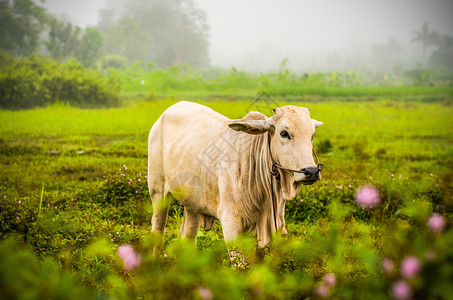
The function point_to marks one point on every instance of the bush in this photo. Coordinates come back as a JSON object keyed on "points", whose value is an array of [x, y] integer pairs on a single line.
{"points": [[37, 81], [114, 62]]}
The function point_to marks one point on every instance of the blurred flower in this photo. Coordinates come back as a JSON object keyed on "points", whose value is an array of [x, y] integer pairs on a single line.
{"points": [[19, 202], [387, 265], [323, 291], [330, 279], [401, 290], [367, 197], [131, 259], [436, 223], [430, 255], [410, 267], [204, 293]]}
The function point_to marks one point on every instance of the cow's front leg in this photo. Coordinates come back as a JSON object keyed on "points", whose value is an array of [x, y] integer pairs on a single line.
{"points": [[231, 226], [232, 229]]}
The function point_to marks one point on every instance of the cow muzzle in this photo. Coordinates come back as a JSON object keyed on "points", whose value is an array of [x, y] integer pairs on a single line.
{"points": [[311, 175]]}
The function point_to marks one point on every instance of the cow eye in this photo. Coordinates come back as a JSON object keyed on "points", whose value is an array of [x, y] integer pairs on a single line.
{"points": [[285, 134]]}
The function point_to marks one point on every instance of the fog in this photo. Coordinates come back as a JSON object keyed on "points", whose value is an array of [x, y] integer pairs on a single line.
{"points": [[256, 35]]}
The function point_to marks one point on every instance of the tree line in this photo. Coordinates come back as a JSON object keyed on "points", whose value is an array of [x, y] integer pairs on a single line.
{"points": [[163, 32], [442, 57]]}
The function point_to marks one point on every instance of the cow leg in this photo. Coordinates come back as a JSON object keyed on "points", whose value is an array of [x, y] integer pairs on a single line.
{"points": [[190, 225], [232, 228], [159, 220]]}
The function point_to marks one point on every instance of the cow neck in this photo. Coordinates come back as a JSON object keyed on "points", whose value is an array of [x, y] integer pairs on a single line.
{"points": [[263, 171], [275, 182]]}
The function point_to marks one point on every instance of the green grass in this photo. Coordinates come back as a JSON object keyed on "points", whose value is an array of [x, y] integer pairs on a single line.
{"points": [[63, 165]]}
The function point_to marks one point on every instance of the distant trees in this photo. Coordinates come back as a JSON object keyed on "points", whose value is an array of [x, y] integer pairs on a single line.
{"points": [[63, 39], [426, 37], [90, 47], [166, 32], [127, 38], [21, 23], [443, 57]]}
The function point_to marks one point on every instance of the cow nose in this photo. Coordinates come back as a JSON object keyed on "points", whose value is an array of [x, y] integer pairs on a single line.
{"points": [[311, 173]]}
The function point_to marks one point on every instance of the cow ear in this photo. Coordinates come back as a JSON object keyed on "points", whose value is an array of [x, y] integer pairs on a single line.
{"points": [[317, 123], [251, 126]]}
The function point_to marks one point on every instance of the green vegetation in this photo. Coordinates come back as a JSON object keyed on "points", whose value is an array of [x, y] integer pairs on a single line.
{"points": [[36, 81], [73, 188]]}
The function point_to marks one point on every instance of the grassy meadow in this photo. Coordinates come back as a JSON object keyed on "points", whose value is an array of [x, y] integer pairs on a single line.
{"points": [[73, 189]]}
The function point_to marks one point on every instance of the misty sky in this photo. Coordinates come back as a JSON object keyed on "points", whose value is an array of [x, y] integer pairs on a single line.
{"points": [[258, 34]]}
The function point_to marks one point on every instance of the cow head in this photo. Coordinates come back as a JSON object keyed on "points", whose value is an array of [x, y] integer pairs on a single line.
{"points": [[292, 131]]}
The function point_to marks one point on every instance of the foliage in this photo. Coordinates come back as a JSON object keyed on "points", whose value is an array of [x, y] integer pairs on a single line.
{"points": [[145, 80], [165, 32], [23, 275], [113, 62], [36, 81], [127, 39], [63, 40], [89, 50], [21, 23], [426, 37], [443, 57]]}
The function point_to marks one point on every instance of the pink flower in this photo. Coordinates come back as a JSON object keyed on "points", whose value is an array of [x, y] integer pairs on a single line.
{"points": [[387, 265], [410, 267], [367, 197], [436, 223], [330, 279], [131, 259], [323, 291], [401, 290], [204, 293], [19, 202]]}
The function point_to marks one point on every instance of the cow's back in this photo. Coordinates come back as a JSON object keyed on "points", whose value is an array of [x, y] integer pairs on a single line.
{"points": [[184, 133]]}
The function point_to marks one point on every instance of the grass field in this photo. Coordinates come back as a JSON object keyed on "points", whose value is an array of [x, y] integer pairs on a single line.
{"points": [[73, 188]]}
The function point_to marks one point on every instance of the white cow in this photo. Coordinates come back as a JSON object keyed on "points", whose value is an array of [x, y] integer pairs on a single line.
{"points": [[219, 168]]}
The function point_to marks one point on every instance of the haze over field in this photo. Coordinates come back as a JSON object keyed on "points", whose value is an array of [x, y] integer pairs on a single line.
{"points": [[312, 35]]}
